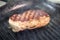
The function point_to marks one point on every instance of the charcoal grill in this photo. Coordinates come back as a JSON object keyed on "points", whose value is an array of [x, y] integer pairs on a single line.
{"points": [[49, 32]]}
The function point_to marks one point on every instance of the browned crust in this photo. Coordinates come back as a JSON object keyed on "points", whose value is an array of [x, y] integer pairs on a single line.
{"points": [[29, 20]]}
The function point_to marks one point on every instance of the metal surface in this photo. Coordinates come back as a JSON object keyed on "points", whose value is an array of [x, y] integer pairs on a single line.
{"points": [[49, 32], [2, 3], [55, 1]]}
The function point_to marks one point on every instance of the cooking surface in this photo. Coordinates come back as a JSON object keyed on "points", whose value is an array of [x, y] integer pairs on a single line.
{"points": [[50, 32]]}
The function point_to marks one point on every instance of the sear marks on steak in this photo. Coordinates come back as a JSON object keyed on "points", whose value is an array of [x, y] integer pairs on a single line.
{"points": [[30, 19]]}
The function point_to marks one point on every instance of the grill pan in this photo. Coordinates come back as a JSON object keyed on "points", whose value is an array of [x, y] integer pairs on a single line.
{"points": [[49, 32]]}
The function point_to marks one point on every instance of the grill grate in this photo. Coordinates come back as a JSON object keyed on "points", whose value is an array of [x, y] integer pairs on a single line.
{"points": [[50, 32]]}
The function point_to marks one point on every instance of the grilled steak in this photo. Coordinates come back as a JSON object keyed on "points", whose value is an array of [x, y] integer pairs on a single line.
{"points": [[30, 19]]}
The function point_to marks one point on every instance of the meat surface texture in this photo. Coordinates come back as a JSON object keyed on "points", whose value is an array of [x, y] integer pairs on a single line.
{"points": [[30, 19]]}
